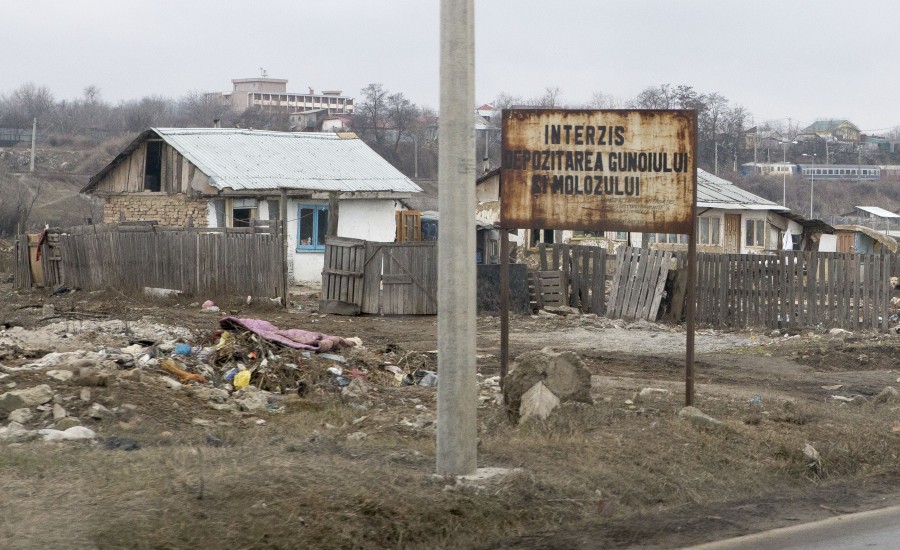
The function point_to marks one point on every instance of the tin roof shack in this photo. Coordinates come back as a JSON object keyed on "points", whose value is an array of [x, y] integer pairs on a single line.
{"points": [[858, 239], [229, 177]]}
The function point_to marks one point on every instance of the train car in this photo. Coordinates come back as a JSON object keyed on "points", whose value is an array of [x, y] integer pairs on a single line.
{"points": [[769, 168], [841, 172]]}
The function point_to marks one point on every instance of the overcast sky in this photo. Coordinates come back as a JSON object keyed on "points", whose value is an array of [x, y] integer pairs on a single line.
{"points": [[778, 58]]}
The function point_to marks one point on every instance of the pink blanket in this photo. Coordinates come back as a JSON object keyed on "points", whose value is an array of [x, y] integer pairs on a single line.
{"points": [[292, 337]]}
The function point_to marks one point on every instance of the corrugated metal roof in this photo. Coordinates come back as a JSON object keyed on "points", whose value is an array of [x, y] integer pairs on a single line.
{"points": [[256, 159], [826, 125], [878, 211], [715, 192]]}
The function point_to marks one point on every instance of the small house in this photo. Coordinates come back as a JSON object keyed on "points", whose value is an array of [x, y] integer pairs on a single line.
{"points": [[858, 239], [215, 177], [729, 220]]}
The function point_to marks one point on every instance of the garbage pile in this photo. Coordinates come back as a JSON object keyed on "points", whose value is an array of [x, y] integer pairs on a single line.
{"points": [[245, 366], [254, 354]]}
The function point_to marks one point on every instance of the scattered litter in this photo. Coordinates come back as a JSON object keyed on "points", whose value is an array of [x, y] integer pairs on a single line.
{"points": [[120, 444], [421, 378], [241, 379], [172, 367], [294, 338], [182, 349]]}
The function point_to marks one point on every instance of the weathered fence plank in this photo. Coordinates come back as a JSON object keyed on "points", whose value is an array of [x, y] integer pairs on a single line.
{"points": [[197, 262]]}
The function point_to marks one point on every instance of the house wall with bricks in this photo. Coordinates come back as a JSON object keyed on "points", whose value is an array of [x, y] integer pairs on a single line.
{"points": [[166, 209]]}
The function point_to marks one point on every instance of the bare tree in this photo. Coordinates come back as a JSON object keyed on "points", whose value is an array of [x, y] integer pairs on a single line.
{"points": [[602, 100], [370, 118], [147, 112], [197, 108]]}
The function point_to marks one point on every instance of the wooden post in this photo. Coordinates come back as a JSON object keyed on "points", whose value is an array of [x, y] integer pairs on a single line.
{"points": [[333, 213], [504, 305], [285, 250], [691, 290]]}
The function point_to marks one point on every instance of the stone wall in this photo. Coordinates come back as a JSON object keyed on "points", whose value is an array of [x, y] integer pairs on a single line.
{"points": [[165, 209]]}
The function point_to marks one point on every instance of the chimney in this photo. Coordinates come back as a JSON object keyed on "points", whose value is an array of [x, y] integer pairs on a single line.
{"points": [[312, 92], [217, 123]]}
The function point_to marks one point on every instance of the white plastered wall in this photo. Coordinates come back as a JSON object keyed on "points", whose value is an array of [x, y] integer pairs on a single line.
{"points": [[369, 219]]}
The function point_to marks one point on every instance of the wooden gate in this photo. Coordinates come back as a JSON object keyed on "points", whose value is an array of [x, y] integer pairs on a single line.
{"points": [[372, 277], [342, 276], [400, 278]]}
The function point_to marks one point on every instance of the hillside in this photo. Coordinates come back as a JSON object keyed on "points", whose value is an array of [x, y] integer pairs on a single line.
{"points": [[61, 171], [831, 198]]}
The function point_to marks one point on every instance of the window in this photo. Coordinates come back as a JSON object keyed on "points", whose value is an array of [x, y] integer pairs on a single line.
{"points": [[241, 212], [153, 167], [274, 209], [755, 235], [621, 235], [709, 230], [312, 226]]}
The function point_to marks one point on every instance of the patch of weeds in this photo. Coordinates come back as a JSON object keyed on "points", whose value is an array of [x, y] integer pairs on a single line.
{"points": [[792, 413]]}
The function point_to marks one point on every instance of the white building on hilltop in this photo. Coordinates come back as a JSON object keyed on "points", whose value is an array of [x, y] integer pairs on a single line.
{"points": [[271, 94]]}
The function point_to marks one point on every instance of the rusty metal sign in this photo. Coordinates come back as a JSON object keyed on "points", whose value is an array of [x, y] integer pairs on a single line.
{"points": [[589, 170]]}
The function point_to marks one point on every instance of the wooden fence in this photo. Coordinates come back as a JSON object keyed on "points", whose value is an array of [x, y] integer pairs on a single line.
{"points": [[196, 261], [785, 289], [795, 289], [584, 273], [639, 283], [374, 277]]}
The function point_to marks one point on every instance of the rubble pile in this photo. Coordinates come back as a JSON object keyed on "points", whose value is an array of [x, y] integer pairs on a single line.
{"points": [[66, 396]]}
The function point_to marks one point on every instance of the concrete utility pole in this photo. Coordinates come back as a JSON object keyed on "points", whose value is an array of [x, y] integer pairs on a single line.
{"points": [[457, 389]]}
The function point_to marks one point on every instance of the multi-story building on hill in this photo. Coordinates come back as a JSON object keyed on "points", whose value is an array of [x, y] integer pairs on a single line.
{"points": [[271, 94]]}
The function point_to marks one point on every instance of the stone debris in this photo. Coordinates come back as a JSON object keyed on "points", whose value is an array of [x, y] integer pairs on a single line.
{"points": [[14, 432], [22, 416], [697, 416], [652, 393], [60, 375], [28, 397], [75, 433], [563, 374], [99, 412], [538, 402]]}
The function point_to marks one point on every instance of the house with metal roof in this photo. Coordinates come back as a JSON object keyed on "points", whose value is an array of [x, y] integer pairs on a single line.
{"points": [[216, 177], [838, 129], [729, 220]]}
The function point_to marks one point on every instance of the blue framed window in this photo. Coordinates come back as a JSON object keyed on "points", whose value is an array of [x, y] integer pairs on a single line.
{"points": [[312, 226]]}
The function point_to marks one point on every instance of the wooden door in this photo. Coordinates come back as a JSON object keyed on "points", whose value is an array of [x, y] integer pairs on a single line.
{"points": [[732, 233], [845, 242], [342, 276]]}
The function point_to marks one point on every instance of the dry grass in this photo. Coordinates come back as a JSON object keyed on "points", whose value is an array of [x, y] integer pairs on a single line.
{"points": [[298, 482]]}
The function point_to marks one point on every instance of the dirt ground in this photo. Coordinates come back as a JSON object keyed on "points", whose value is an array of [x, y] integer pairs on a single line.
{"points": [[333, 468]]}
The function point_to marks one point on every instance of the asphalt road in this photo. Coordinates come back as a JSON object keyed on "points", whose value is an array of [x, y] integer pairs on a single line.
{"points": [[879, 529]]}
